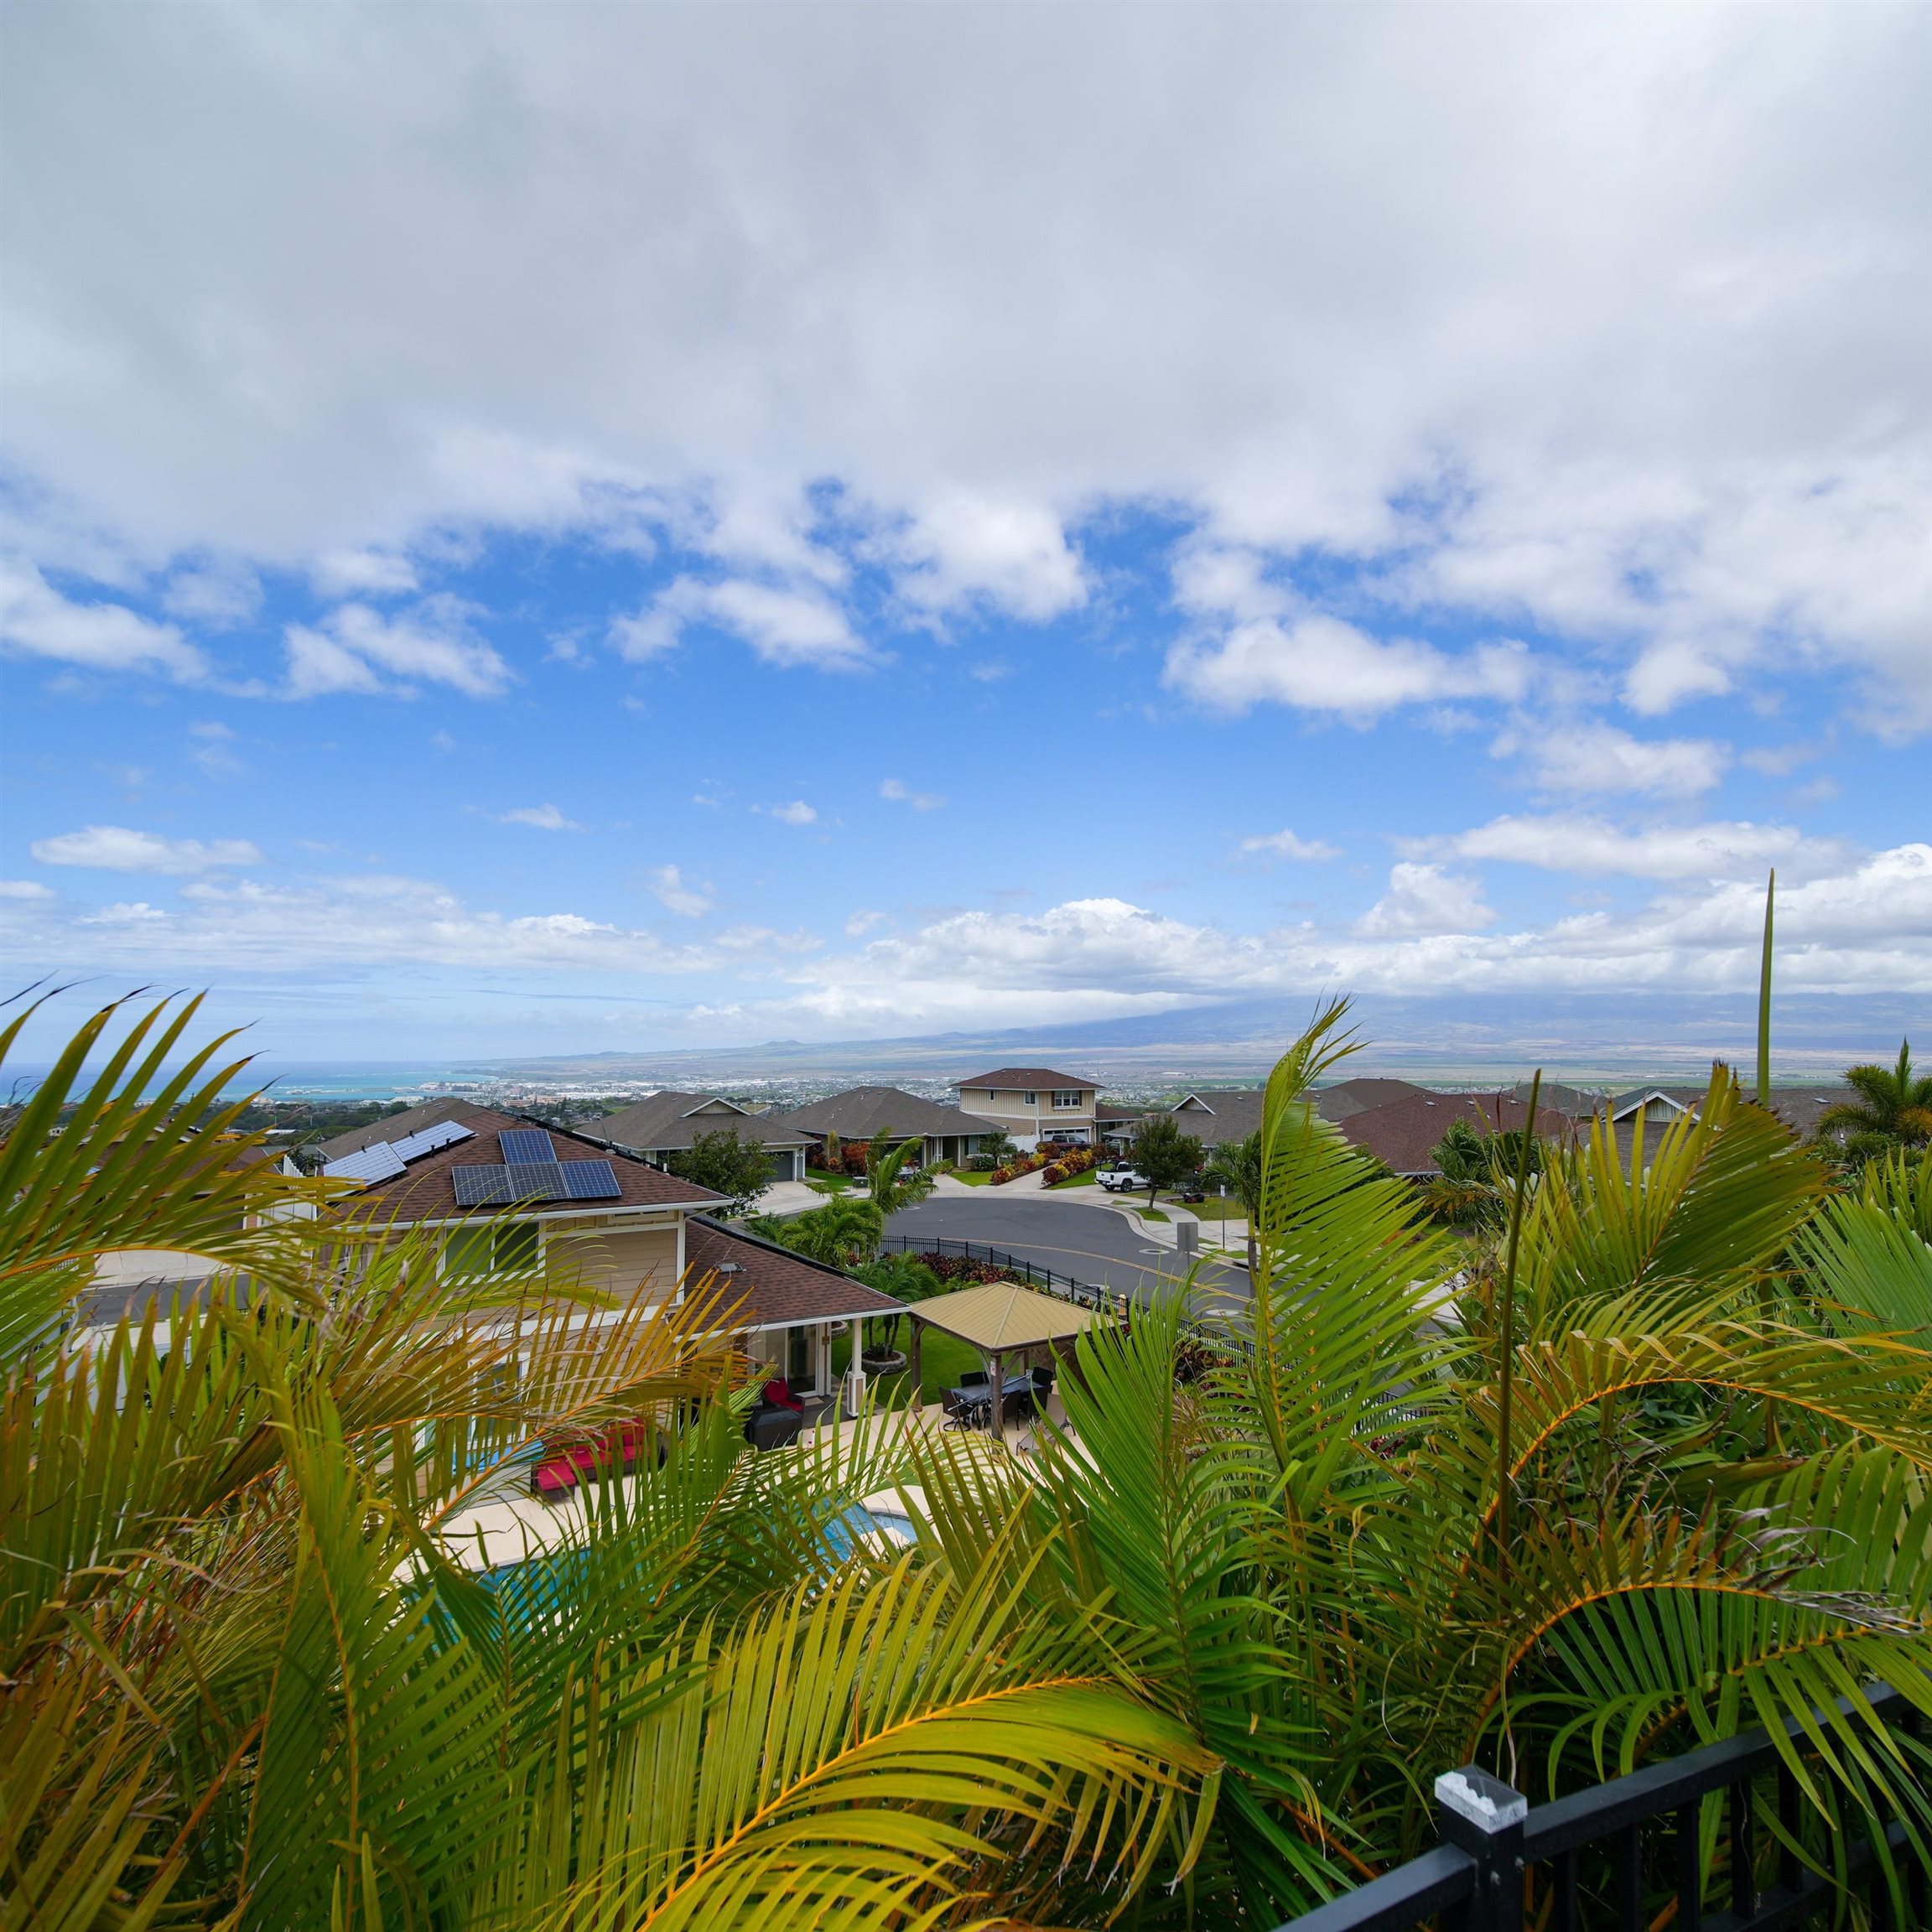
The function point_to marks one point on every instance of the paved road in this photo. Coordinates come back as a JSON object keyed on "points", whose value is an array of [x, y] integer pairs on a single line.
{"points": [[1090, 1244]]}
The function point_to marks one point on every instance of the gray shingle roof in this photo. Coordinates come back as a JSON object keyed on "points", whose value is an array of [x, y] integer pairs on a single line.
{"points": [[861, 1112], [1008, 1079], [670, 1119]]}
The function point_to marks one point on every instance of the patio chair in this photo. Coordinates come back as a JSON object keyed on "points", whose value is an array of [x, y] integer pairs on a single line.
{"points": [[1043, 1381], [965, 1411], [975, 1378], [773, 1426], [777, 1395]]}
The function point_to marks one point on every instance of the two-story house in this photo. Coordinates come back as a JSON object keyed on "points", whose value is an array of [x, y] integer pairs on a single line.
{"points": [[1033, 1104]]}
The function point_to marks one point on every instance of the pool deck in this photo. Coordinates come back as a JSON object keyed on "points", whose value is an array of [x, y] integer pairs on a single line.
{"points": [[511, 1525]]}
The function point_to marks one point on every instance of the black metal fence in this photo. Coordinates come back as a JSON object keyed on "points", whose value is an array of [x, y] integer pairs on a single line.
{"points": [[1047, 1281], [1602, 1866]]}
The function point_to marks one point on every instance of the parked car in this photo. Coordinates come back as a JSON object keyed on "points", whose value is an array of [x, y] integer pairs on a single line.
{"points": [[1122, 1180]]}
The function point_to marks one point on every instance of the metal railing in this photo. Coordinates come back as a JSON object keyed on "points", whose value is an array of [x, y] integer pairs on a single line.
{"points": [[1594, 1847], [1047, 1281]]}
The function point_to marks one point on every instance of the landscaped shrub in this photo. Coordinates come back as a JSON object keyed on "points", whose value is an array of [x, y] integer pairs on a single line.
{"points": [[959, 1268], [1054, 1173]]}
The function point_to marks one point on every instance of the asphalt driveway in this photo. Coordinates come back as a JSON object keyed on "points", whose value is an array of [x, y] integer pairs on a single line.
{"points": [[1092, 1244]]}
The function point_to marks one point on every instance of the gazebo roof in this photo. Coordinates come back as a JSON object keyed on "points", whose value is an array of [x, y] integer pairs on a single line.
{"points": [[1001, 1315]]}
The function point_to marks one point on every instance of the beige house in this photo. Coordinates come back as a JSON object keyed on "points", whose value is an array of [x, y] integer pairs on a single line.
{"points": [[1034, 1103]]}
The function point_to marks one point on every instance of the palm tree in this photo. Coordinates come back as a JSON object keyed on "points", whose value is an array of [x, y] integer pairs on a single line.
{"points": [[891, 1183], [249, 1678], [1893, 1110]]}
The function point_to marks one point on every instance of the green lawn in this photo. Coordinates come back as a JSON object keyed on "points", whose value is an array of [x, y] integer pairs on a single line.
{"points": [[1086, 1180], [971, 1179]]}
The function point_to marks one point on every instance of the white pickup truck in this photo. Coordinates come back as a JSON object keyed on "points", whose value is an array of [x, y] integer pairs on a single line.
{"points": [[1122, 1180]]}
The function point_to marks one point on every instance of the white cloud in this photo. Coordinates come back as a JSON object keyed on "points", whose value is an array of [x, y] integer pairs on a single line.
{"points": [[24, 889], [1469, 305], [687, 901], [116, 849], [36, 618], [861, 923], [219, 594], [786, 626], [354, 647], [1014, 555], [1285, 844], [797, 813], [1729, 849], [362, 573], [1425, 899], [901, 794], [543, 817], [210, 749], [1601, 758], [1320, 663]]}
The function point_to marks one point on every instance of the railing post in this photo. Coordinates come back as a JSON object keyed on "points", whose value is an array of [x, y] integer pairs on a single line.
{"points": [[1484, 1816]]}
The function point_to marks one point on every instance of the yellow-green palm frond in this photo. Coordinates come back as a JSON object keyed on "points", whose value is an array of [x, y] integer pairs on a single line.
{"points": [[850, 1758]]}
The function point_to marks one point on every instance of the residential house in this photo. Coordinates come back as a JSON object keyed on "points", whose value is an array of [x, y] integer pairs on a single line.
{"points": [[1403, 1133], [862, 1113], [668, 1123], [1034, 1103], [616, 1222]]}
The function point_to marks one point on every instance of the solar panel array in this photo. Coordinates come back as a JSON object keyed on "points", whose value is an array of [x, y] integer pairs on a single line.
{"points": [[379, 1161], [523, 1145], [589, 1181], [497, 1185], [433, 1139]]}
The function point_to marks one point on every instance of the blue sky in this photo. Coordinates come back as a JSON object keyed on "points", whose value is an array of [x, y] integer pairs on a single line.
{"points": [[552, 531]]}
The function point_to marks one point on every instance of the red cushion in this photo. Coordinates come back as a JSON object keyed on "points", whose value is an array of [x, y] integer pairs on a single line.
{"points": [[554, 1478], [778, 1394]]}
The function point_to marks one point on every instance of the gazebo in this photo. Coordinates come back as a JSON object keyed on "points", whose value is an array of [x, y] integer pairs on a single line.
{"points": [[996, 1318]]}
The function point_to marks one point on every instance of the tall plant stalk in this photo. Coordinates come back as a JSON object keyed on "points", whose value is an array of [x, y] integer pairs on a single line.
{"points": [[1764, 998], [1507, 1389]]}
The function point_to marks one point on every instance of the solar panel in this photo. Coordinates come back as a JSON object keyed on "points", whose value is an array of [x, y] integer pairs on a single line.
{"points": [[375, 1162], [432, 1139], [535, 1180], [589, 1180], [523, 1144], [481, 1187]]}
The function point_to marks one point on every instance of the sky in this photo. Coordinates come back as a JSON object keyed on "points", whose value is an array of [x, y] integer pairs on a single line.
{"points": [[559, 528]]}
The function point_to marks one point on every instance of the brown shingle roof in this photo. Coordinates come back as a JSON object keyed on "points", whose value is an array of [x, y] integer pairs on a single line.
{"points": [[780, 1286], [427, 1193], [394, 1126], [1027, 1078], [1401, 1132]]}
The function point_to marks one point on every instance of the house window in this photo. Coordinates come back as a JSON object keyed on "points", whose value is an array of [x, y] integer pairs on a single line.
{"points": [[798, 1359], [497, 1248], [1068, 1098], [1029, 1100]]}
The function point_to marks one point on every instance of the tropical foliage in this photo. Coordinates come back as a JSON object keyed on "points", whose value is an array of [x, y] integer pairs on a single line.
{"points": [[1655, 1471], [739, 1170], [1892, 1110], [1163, 1153]]}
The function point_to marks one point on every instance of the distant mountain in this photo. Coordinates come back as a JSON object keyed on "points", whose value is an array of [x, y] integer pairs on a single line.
{"points": [[1464, 1038]]}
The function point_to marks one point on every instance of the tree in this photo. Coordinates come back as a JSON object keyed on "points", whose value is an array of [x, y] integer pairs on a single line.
{"points": [[1163, 1154], [1236, 1165], [890, 1182], [842, 1234], [1893, 1110], [721, 1162], [905, 1278]]}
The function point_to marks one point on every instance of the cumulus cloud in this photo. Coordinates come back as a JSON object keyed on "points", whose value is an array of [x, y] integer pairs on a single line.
{"points": [[900, 793], [1287, 845], [543, 817], [24, 889], [797, 812], [1012, 554], [1424, 899], [1322, 664], [219, 593], [1525, 353], [116, 849], [687, 901], [1560, 842], [784, 625], [356, 649], [35, 618], [1601, 758]]}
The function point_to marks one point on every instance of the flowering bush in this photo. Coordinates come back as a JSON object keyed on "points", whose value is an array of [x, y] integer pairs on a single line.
{"points": [[962, 1267]]}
